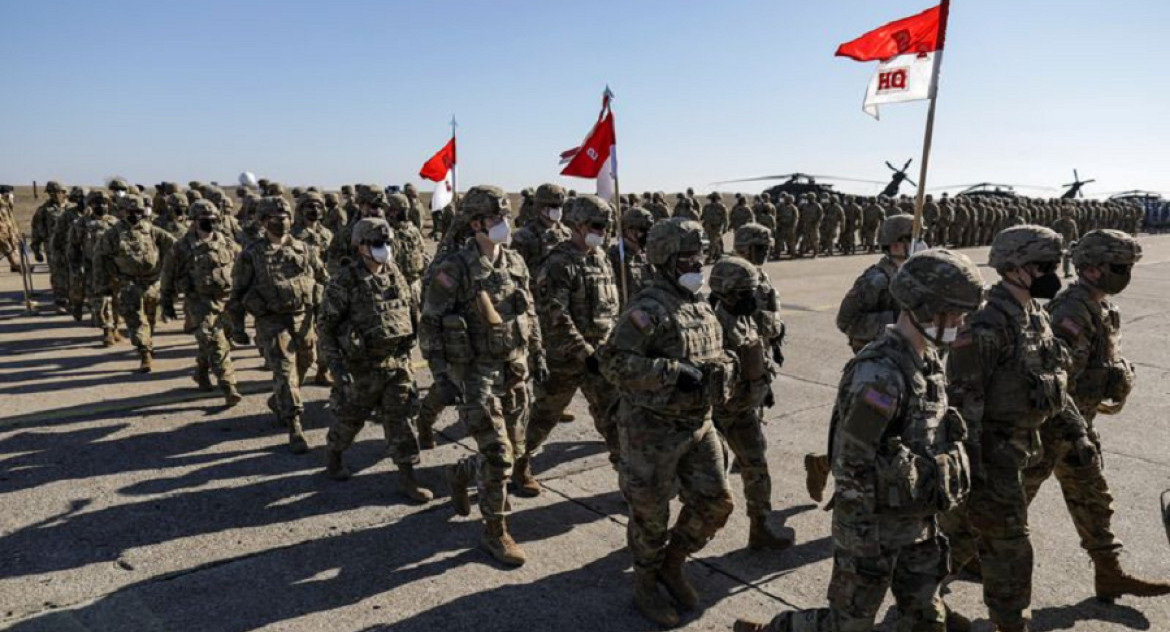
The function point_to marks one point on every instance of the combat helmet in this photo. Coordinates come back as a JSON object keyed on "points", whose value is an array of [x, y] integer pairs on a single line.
{"points": [[895, 228], [1020, 245], [637, 218], [203, 208], [937, 281], [1106, 246], [550, 195], [95, 195], [272, 205], [52, 186], [370, 230], [485, 201], [591, 210], [731, 275], [752, 234], [77, 194], [398, 204], [671, 237]]}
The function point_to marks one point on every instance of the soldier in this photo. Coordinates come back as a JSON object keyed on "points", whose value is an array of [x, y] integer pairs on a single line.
{"points": [[527, 208], [335, 217], [367, 328], [415, 214], [741, 213], [1067, 227], [172, 215], [200, 268], [67, 240], [479, 330], [734, 288], [960, 226], [89, 232], [1007, 374], [44, 222], [10, 234], [684, 208], [1100, 380], [831, 222], [808, 226], [536, 239], [898, 457], [409, 250], [852, 213], [577, 299], [787, 216], [372, 203], [665, 357], [657, 207], [279, 280], [308, 227], [865, 313], [715, 222], [130, 259], [752, 243], [871, 220], [636, 223]]}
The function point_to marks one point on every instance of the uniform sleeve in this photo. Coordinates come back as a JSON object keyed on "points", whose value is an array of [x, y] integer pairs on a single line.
{"points": [[75, 255], [441, 299], [243, 275], [554, 287], [866, 405], [526, 244], [39, 230], [973, 358], [173, 267], [626, 357], [859, 315], [1073, 326], [535, 337], [101, 265], [333, 312]]}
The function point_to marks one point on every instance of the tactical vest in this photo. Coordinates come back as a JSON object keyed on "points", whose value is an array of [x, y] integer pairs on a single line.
{"points": [[593, 302], [380, 324], [693, 335], [470, 335], [1030, 386], [1106, 374], [211, 269], [921, 466], [284, 280], [409, 246], [755, 376], [136, 255], [94, 228]]}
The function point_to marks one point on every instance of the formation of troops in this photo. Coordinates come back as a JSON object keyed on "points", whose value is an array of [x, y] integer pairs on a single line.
{"points": [[959, 403]]}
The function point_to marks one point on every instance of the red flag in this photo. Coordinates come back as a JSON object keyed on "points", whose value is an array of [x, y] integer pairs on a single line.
{"points": [[922, 33], [437, 167], [587, 160]]}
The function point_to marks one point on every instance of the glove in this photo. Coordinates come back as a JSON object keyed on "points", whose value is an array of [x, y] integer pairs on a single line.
{"points": [[241, 337], [777, 354], [1085, 452], [445, 382], [168, 310], [40, 256], [592, 364], [341, 376], [689, 378], [539, 370], [770, 398], [974, 457]]}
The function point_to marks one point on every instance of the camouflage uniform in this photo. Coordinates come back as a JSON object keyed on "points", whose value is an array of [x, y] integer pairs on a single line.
{"points": [[831, 222], [415, 213], [409, 250], [1100, 380], [307, 227], [479, 331], [809, 225], [130, 259], [200, 268], [638, 270], [280, 284], [44, 226], [657, 207], [89, 232], [665, 356], [577, 300], [1008, 377], [715, 220], [172, 217], [684, 207], [786, 217], [1067, 227], [76, 216], [367, 331], [741, 213], [538, 237], [734, 288], [872, 218], [848, 240], [899, 459], [9, 232], [868, 306]]}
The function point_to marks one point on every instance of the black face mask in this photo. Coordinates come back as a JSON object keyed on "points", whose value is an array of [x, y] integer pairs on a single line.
{"points": [[133, 217], [206, 225], [758, 255], [744, 306], [277, 227], [99, 211], [312, 214], [1045, 285]]}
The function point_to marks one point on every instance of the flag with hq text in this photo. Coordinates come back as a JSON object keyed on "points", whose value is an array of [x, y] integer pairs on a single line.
{"points": [[596, 156], [908, 51], [441, 170]]}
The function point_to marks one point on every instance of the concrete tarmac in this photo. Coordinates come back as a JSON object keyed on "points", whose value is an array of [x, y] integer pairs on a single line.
{"points": [[135, 502]]}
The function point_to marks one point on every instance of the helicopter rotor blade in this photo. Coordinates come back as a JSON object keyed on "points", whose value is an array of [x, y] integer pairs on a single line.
{"points": [[757, 179], [1076, 176], [892, 167], [907, 165], [848, 179], [912, 183]]}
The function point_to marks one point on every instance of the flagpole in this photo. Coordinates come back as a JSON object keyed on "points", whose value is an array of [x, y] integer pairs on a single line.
{"points": [[928, 137], [617, 194], [455, 169]]}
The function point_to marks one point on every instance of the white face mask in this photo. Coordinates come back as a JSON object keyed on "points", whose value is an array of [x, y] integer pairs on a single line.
{"points": [[119, 194], [501, 233], [948, 334], [692, 281], [554, 213], [593, 240], [381, 254]]}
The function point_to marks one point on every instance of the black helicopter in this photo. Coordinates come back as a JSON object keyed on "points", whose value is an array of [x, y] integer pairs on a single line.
{"points": [[797, 184], [1074, 188]]}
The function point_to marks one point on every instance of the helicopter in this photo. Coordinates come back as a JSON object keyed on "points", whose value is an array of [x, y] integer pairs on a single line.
{"points": [[1074, 188], [797, 184]]}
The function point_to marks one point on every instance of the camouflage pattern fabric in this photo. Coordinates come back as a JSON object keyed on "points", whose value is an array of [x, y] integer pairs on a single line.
{"points": [[868, 307], [129, 260]]}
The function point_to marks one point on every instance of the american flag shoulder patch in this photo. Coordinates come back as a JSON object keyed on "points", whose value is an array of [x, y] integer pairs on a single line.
{"points": [[1070, 326], [640, 319], [878, 400], [445, 279]]}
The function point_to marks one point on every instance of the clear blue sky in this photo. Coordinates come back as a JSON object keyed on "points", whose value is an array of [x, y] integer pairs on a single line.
{"points": [[361, 90]]}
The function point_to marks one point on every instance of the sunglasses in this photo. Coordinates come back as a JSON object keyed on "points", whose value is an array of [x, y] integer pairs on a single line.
{"points": [[381, 243], [1120, 268], [598, 225], [1047, 267]]}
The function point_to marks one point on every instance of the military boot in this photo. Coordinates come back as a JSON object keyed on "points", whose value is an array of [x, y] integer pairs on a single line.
{"points": [[231, 396], [567, 417], [526, 484], [650, 601], [202, 376], [322, 377], [145, 363], [410, 487], [117, 335], [426, 437], [108, 339], [675, 579], [77, 312], [743, 625], [956, 622], [497, 541], [457, 483], [296, 436], [335, 465], [816, 475], [764, 536], [1112, 582]]}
